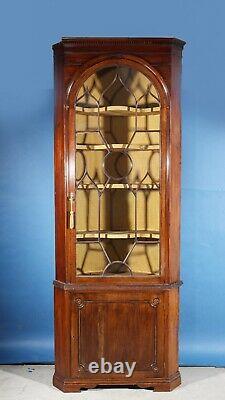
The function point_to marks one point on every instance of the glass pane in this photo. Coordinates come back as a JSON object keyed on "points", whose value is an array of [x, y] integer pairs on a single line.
{"points": [[117, 132]]}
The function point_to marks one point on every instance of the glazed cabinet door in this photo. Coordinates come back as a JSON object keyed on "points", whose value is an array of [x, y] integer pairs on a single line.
{"points": [[116, 328], [119, 133]]}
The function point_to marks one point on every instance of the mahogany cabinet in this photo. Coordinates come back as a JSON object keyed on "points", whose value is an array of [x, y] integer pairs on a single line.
{"points": [[117, 209]]}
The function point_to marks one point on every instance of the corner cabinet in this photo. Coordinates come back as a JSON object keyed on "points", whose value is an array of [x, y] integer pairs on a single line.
{"points": [[117, 203]]}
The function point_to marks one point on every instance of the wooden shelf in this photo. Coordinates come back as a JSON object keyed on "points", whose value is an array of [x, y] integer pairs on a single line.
{"points": [[142, 236], [126, 274], [88, 131], [123, 186], [117, 111], [118, 147]]}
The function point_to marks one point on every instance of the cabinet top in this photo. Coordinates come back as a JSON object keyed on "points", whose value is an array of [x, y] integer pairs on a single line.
{"points": [[86, 42]]}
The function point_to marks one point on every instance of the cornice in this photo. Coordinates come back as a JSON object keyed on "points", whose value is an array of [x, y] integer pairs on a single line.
{"points": [[129, 42]]}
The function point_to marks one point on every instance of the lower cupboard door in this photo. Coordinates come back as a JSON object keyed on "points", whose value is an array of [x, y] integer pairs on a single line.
{"points": [[113, 332]]}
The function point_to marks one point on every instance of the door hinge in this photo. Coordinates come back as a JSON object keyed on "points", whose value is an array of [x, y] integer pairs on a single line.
{"points": [[71, 211]]}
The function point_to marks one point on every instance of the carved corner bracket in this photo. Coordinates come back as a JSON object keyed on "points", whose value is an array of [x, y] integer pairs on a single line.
{"points": [[155, 302], [79, 302]]}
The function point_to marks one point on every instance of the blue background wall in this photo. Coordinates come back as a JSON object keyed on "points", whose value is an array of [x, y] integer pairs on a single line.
{"points": [[27, 227]]}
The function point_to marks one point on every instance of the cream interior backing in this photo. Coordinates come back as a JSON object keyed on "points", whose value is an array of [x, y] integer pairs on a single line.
{"points": [[117, 130]]}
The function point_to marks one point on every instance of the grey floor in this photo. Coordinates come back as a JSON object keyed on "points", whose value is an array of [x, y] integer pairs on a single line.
{"points": [[34, 382]]}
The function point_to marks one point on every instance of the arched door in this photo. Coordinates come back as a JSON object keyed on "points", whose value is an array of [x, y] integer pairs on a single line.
{"points": [[118, 172]]}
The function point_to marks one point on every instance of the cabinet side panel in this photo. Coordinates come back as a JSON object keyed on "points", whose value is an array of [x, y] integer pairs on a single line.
{"points": [[59, 154], [62, 333], [172, 325], [175, 171]]}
